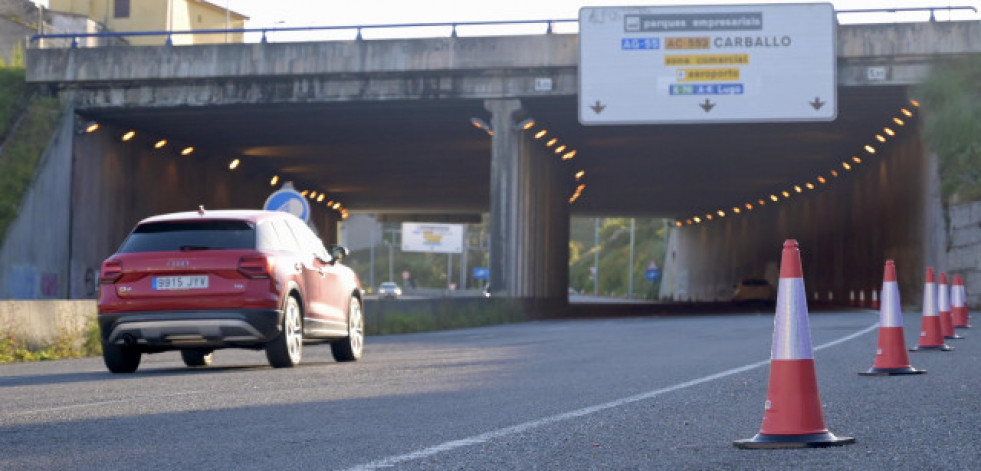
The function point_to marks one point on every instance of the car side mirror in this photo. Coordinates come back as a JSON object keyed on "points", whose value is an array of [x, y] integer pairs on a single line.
{"points": [[338, 252]]}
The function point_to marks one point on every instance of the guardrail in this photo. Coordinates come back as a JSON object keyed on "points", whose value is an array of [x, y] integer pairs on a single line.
{"points": [[74, 37]]}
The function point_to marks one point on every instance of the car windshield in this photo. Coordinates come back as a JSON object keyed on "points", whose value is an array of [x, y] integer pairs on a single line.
{"points": [[388, 285], [190, 235]]}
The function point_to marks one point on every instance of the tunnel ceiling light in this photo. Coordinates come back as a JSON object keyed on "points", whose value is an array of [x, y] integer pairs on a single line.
{"points": [[880, 138], [809, 185], [689, 221], [677, 224], [552, 142], [870, 149], [899, 121], [708, 217], [798, 189], [560, 149], [321, 197], [187, 151], [856, 159], [736, 209], [846, 166], [569, 155], [313, 195], [834, 173], [330, 203], [129, 135], [774, 198], [822, 180], [336, 205], [786, 194], [914, 103], [234, 164], [889, 131], [92, 127], [274, 180], [304, 193], [761, 202], [721, 213], [540, 134], [906, 113], [480, 124], [749, 206], [526, 124], [580, 174], [160, 144]]}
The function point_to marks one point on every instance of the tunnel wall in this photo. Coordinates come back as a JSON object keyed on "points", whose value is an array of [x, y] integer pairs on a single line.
{"points": [[121, 183], [886, 208]]}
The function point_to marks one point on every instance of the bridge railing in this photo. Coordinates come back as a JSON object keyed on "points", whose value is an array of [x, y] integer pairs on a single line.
{"points": [[72, 39]]}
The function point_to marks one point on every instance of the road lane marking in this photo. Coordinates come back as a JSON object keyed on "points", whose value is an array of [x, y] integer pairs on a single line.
{"points": [[516, 429]]}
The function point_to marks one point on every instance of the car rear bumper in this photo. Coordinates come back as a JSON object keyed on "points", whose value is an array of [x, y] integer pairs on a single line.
{"points": [[185, 329]]}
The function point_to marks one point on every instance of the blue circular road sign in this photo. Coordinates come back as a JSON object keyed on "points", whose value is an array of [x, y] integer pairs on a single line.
{"points": [[289, 201]]}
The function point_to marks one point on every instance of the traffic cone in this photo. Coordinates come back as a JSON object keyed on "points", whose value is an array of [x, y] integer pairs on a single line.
{"points": [[958, 308], [931, 338], [851, 298], [890, 355], [861, 298], [792, 416], [875, 299], [946, 320]]}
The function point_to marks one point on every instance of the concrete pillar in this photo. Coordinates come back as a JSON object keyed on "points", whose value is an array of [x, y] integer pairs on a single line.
{"points": [[529, 223]]}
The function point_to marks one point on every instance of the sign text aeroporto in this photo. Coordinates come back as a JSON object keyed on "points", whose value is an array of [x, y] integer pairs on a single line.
{"points": [[696, 64]]}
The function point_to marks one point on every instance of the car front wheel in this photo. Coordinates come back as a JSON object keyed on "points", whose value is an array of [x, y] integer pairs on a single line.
{"points": [[351, 347], [120, 359], [285, 350]]}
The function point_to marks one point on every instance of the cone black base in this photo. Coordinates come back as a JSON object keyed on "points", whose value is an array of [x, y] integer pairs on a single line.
{"points": [[941, 348], [955, 337], [817, 440], [962, 326], [892, 371]]}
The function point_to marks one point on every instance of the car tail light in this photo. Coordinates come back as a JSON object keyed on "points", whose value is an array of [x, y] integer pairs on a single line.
{"points": [[257, 266], [111, 271]]}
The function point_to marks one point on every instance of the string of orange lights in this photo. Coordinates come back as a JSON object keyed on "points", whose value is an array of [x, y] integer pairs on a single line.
{"points": [[234, 164], [784, 194]]}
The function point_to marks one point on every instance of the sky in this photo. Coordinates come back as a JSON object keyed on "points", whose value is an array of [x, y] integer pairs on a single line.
{"points": [[300, 13]]}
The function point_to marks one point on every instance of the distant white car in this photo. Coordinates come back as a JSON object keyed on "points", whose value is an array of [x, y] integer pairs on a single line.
{"points": [[389, 289]]}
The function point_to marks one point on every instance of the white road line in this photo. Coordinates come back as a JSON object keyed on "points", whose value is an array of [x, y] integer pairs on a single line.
{"points": [[516, 429]]}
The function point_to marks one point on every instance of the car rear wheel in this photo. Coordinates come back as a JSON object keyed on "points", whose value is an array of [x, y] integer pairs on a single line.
{"points": [[286, 350], [120, 359], [351, 347], [197, 357]]}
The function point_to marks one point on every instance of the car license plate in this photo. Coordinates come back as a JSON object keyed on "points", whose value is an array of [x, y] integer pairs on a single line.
{"points": [[180, 282]]}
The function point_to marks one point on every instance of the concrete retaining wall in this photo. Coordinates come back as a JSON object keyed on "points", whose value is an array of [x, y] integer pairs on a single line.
{"points": [[964, 249], [34, 253]]}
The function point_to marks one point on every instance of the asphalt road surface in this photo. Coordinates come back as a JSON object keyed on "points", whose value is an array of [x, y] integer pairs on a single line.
{"points": [[633, 393]]}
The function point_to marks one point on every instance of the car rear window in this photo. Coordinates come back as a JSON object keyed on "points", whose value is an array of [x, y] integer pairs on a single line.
{"points": [[191, 235]]}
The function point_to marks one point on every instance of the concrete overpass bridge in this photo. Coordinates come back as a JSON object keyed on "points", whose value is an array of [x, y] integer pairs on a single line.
{"points": [[386, 126]]}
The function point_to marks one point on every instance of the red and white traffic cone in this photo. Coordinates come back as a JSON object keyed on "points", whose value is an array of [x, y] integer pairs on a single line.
{"points": [[958, 303], [946, 320], [875, 299], [861, 298], [792, 416], [851, 298], [890, 355], [931, 338]]}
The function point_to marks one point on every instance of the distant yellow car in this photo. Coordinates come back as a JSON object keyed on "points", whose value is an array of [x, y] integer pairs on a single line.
{"points": [[754, 290]]}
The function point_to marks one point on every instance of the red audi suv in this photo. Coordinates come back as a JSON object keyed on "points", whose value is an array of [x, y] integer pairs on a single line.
{"points": [[205, 280]]}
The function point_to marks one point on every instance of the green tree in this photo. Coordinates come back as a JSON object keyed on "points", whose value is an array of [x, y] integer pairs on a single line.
{"points": [[950, 98]]}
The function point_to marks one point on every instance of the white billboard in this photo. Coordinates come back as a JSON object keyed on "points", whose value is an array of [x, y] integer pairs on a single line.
{"points": [[697, 64], [431, 237]]}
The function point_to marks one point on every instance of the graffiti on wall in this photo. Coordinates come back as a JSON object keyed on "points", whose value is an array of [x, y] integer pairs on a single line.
{"points": [[26, 282]]}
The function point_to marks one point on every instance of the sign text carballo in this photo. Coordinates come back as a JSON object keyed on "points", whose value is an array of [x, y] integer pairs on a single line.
{"points": [[690, 64]]}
